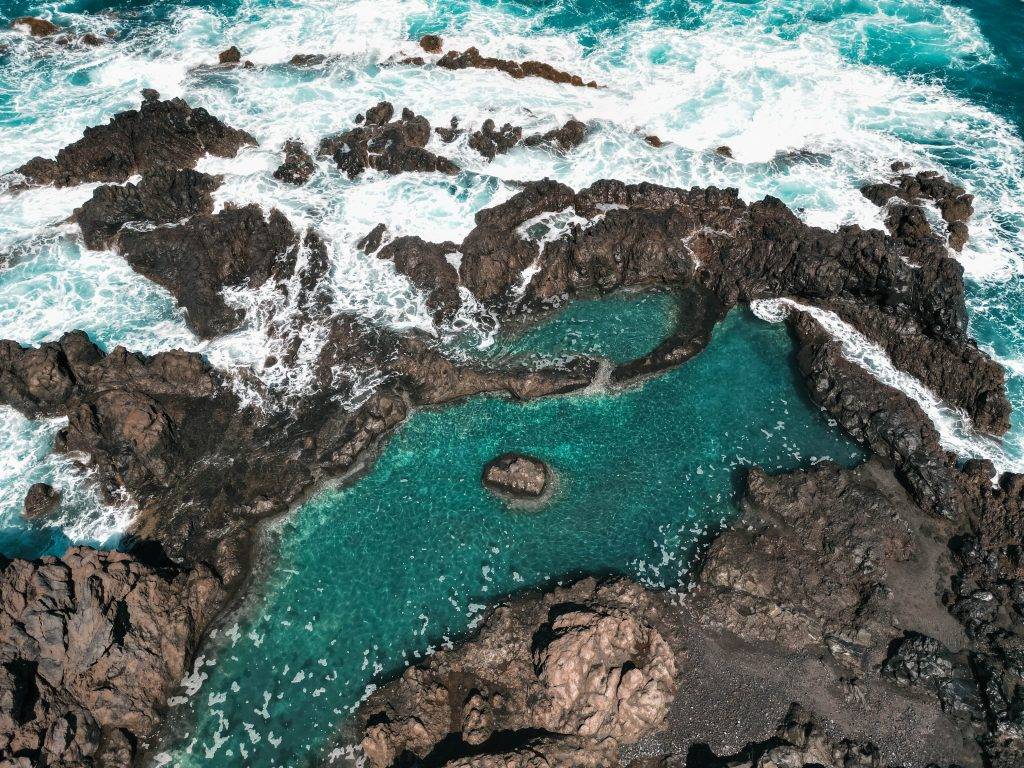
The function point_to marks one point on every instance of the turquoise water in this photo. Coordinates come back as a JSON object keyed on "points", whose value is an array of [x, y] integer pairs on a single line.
{"points": [[369, 577]]}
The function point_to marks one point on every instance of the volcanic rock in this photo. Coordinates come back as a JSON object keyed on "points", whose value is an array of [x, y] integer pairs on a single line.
{"points": [[563, 678], [516, 474], [230, 56], [91, 645], [566, 138], [427, 267], [391, 146], [490, 142], [431, 43], [41, 501], [298, 165], [450, 134], [471, 59], [160, 134], [36, 27], [162, 197]]}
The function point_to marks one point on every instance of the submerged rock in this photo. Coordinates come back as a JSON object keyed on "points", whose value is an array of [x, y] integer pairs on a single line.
{"points": [[516, 474], [298, 165], [91, 646], [391, 146], [167, 135], [563, 678], [41, 501]]}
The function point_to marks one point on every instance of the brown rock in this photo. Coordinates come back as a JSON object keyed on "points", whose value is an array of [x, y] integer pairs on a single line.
{"points": [[36, 27], [229, 56], [565, 677], [724, 151], [41, 501], [516, 474], [431, 43]]}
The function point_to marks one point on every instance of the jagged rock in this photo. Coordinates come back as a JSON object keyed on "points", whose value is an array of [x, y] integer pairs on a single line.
{"points": [[162, 197], [919, 660], [390, 146], [427, 266], [800, 742], [471, 59], [36, 27], [566, 138], [654, 141], [230, 56], [431, 43], [490, 142], [298, 165], [160, 134], [308, 60], [953, 202], [565, 678], [724, 151], [516, 474], [91, 645], [450, 134], [803, 572], [41, 501]]}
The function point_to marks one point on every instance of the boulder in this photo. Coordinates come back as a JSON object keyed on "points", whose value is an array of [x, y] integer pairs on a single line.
{"points": [[41, 501], [516, 474], [298, 165]]}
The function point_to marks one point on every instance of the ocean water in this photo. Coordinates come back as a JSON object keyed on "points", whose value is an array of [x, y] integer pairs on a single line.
{"points": [[855, 83]]}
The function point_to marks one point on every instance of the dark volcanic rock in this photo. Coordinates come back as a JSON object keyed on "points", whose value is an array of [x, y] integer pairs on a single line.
{"points": [[563, 678], [451, 133], [431, 43], [162, 197], [36, 27], [427, 266], [952, 200], [298, 165], [566, 138], [490, 142], [230, 56], [91, 645], [41, 501], [160, 134], [471, 59], [805, 573], [196, 260], [391, 146], [877, 416], [801, 741], [308, 60], [516, 474]]}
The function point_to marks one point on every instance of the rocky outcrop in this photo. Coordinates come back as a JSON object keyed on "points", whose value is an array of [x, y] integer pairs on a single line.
{"points": [[162, 197], [298, 165], [566, 138], [432, 43], [36, 27], [490, 142], [41, 501], [563, 678], [952, 200], [906, 295], [159, 135], [472, 59], [91, 645], [516, 474], [391, 146], [426, 265]]}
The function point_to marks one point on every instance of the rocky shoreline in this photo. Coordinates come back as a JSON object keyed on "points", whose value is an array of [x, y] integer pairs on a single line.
{"points": [[205, 467]]}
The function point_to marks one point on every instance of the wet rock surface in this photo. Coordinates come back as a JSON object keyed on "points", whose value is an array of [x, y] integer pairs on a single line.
{"points": [[391, 146], [36, 27], [91, 644], [159, 135], [563, 678], [566, 138], [516, 474], [41, 501], [471, 58], [298, 165], [490, 141]]}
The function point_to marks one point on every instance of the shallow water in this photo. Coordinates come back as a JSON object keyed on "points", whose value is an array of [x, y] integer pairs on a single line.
{"points": [[369, 577]]}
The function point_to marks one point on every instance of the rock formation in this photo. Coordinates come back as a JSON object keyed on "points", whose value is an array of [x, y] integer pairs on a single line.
{"points": [[91, 645], [491, 142], [392, 146], [298, 165], [472, 59], [516, 474], [41, 501], [159, 135], [563, 678]]}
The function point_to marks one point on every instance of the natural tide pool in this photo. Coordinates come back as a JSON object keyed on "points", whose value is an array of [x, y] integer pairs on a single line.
{"points": [[366, 578]]}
